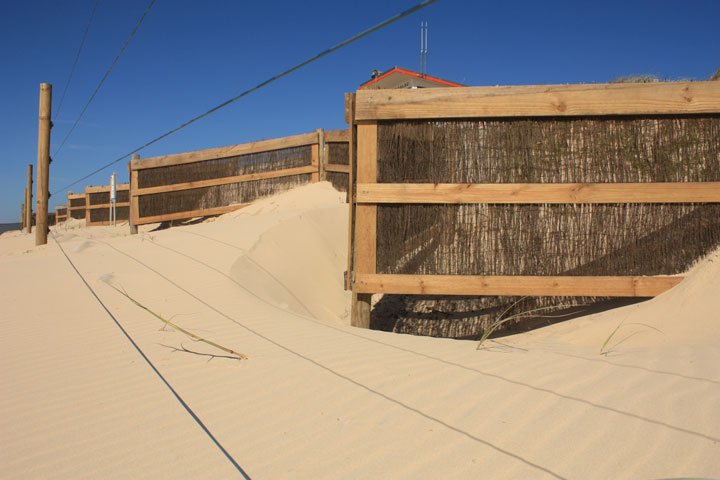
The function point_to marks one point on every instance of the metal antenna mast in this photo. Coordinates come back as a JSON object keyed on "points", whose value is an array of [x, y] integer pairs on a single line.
{"points": [[423, 47]]}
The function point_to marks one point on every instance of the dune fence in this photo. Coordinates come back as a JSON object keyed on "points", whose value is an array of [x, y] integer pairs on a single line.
{"points": [[61, 213], [556, 193], [220, 180], [337, 166], [99, 204], [77, 205]]}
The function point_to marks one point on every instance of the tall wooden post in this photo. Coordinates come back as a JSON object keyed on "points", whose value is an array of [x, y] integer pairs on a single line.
{"points": [[22, 216], [28, 200], [43, 173], [364, 236], [133, 201], [350, 120]]}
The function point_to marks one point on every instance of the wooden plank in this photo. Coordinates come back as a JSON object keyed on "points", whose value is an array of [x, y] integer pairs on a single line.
{"points": [[337, 167], [229, 151], [365, 237], [223, 181], [315, 162], [189, 214], [107, 188], [337, 136], [107, 205], [662, 98], [366, 215], [322, 154], [134, 204], [75, 196], [349, 115], [610, 286], [662, 192]]}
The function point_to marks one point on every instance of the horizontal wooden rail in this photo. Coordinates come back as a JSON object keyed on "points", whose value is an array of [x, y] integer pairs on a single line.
{"points": [[108, 205], [225, 180], [663, 98], [337, 167], [675, 192], [187, 215], [609, 286], [107, 188], [222, 152], [337, 135]]}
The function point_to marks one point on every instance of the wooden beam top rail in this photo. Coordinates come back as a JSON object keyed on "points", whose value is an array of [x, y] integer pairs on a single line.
{"points": [[224, 180], [75, 196], [337, 167], [525, 193], [664, 98], [107, 188], [108, 205], [337, 136], [188, 215], [222, 152], [610, 286]]}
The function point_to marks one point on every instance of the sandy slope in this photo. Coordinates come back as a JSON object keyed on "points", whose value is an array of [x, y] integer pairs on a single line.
{"points": [[318, 399]]}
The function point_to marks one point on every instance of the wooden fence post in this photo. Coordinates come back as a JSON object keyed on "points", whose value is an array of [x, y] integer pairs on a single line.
{"points": [[132, 215], [22, 216], [27, 220], [43, 173], [365, 222], [322, 154], [349, 116]]}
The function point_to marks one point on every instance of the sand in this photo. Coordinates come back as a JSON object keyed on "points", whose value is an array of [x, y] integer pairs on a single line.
{"points": [[317, 398]]}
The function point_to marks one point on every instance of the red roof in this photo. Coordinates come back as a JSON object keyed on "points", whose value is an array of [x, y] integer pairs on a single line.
{"points": [[411, 73]]}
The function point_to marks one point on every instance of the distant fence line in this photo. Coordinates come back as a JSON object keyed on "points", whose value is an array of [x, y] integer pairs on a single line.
{"points": [[569, 190], [77, 205], [61, 213], [220, 180], [214, 181], [99, 204]]}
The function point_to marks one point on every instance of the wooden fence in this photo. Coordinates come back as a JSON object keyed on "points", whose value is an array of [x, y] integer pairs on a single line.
{"points": [[220, 180], [336, 165], [371, 110], [77, 206], [61, 213], [99, 206]]}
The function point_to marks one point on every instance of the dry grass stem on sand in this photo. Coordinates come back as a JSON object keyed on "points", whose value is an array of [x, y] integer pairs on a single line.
{"points": [[197, 338]]}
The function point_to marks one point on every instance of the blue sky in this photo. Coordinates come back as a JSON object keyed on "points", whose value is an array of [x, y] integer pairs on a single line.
{"points": [[189, 56]]}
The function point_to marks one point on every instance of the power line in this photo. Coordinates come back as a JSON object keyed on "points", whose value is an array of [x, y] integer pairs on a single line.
{"points": [[152, 366], [258, 87], [77, 57], [105, 77]]}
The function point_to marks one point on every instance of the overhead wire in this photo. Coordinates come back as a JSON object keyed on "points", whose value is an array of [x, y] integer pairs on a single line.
{"points": [[77, 57], [97, 89], [152, 366], [259, 86]]}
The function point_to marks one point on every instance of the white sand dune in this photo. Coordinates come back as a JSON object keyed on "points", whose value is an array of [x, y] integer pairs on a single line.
{"points": [[317, 398]]}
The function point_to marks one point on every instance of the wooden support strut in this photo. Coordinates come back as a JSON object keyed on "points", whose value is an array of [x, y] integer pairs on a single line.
{"points": [[608, 286], [527, 193], [322, 154], [27, 219], [365, 223], [133, 214]]}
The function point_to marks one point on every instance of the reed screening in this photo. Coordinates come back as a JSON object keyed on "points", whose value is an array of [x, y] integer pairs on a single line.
{"points": [[215, 196], [220, 195], [337, 154], [541, 239]]}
